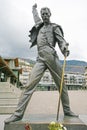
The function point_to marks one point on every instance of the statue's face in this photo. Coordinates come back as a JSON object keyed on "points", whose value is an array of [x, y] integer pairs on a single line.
{"points": [[45, 14]]}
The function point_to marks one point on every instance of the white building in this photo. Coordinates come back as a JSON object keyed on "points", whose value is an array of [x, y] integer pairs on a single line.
{"points": [[26, 69], [74, 80], [46, 82], [47, 79], [85, 77]]}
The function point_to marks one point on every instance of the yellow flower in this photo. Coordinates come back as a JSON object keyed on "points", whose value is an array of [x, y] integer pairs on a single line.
{"points": [[56, 126], [52, 123]]}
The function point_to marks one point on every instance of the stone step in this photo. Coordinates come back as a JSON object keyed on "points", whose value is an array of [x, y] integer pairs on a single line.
{"points": [[7, 87], [5, 102], [8, 102], [4, 84], [7, 109], [7, 95]]}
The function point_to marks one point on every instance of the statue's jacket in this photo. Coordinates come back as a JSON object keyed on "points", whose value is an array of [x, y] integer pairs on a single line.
{"points": [[60, 35]]}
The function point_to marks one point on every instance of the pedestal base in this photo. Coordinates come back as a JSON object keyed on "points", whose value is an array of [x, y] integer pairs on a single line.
{"points": [[41, 122], [42, 109]]}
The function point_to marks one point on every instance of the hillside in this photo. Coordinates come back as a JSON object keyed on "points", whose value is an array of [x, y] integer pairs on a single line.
{"points": [[75, 62], [75, 66]]}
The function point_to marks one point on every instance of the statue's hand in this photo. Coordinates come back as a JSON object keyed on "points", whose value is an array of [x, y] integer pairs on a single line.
{"points": [[34, 6], [66, 52]]}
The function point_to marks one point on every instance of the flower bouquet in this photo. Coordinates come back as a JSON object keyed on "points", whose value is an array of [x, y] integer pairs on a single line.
{"points": [[56, 126]]}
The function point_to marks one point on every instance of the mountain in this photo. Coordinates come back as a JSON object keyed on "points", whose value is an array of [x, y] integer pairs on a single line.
{"points": [[75, 66], [75, 63]]}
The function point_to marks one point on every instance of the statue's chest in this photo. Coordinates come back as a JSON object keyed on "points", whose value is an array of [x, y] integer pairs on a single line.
{"points": [[46, 30]]}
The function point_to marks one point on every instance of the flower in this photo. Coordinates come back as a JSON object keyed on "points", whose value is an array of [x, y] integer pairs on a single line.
{"points": [[56, 126], [52, 123]]}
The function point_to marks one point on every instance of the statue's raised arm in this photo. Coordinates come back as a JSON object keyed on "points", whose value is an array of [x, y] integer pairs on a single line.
{"points": [[36, 17]]}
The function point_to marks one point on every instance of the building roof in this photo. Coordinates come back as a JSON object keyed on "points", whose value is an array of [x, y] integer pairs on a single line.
{"points": [[15, 60], [5, 68]]}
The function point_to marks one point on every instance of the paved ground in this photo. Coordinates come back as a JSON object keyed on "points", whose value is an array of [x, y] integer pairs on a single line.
{"points": [[46, 102], [43, 104]]}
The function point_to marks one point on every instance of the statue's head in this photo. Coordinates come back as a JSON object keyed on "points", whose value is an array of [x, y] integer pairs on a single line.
{"points": [[45, 14], [45, 9]]}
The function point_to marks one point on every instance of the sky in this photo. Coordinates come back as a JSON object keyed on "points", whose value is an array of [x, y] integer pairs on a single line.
{"points": [[16, 20]]}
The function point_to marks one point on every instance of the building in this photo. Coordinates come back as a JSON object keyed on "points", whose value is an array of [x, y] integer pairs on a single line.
{"points": [[13, 65], [74, 76], [74, 80], [6, 74], [16, 70], [85, 78], [26, 69], [46, 82]]}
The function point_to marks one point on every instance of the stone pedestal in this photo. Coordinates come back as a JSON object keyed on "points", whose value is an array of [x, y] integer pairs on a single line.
{"points": [[41, 122], [42, 110]]}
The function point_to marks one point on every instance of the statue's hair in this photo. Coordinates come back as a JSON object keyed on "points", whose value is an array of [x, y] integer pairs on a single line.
{"points": [[45, 8]]}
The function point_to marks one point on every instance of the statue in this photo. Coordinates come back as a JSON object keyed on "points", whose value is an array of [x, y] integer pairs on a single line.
{"points": [[45, 35]]}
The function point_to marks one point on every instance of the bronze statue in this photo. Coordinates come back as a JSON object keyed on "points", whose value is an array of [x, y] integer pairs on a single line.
{"points": [[45, 35]]}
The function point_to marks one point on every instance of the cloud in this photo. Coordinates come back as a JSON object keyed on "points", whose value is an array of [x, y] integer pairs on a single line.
{"points": [[16, 20], [14, 31]]}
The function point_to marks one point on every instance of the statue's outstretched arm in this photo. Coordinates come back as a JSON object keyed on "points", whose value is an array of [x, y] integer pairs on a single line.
{"points": [[36, 17]]}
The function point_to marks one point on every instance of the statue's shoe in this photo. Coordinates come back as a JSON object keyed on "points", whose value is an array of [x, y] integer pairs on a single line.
{"points": [[70, 113], [13, 118]]}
